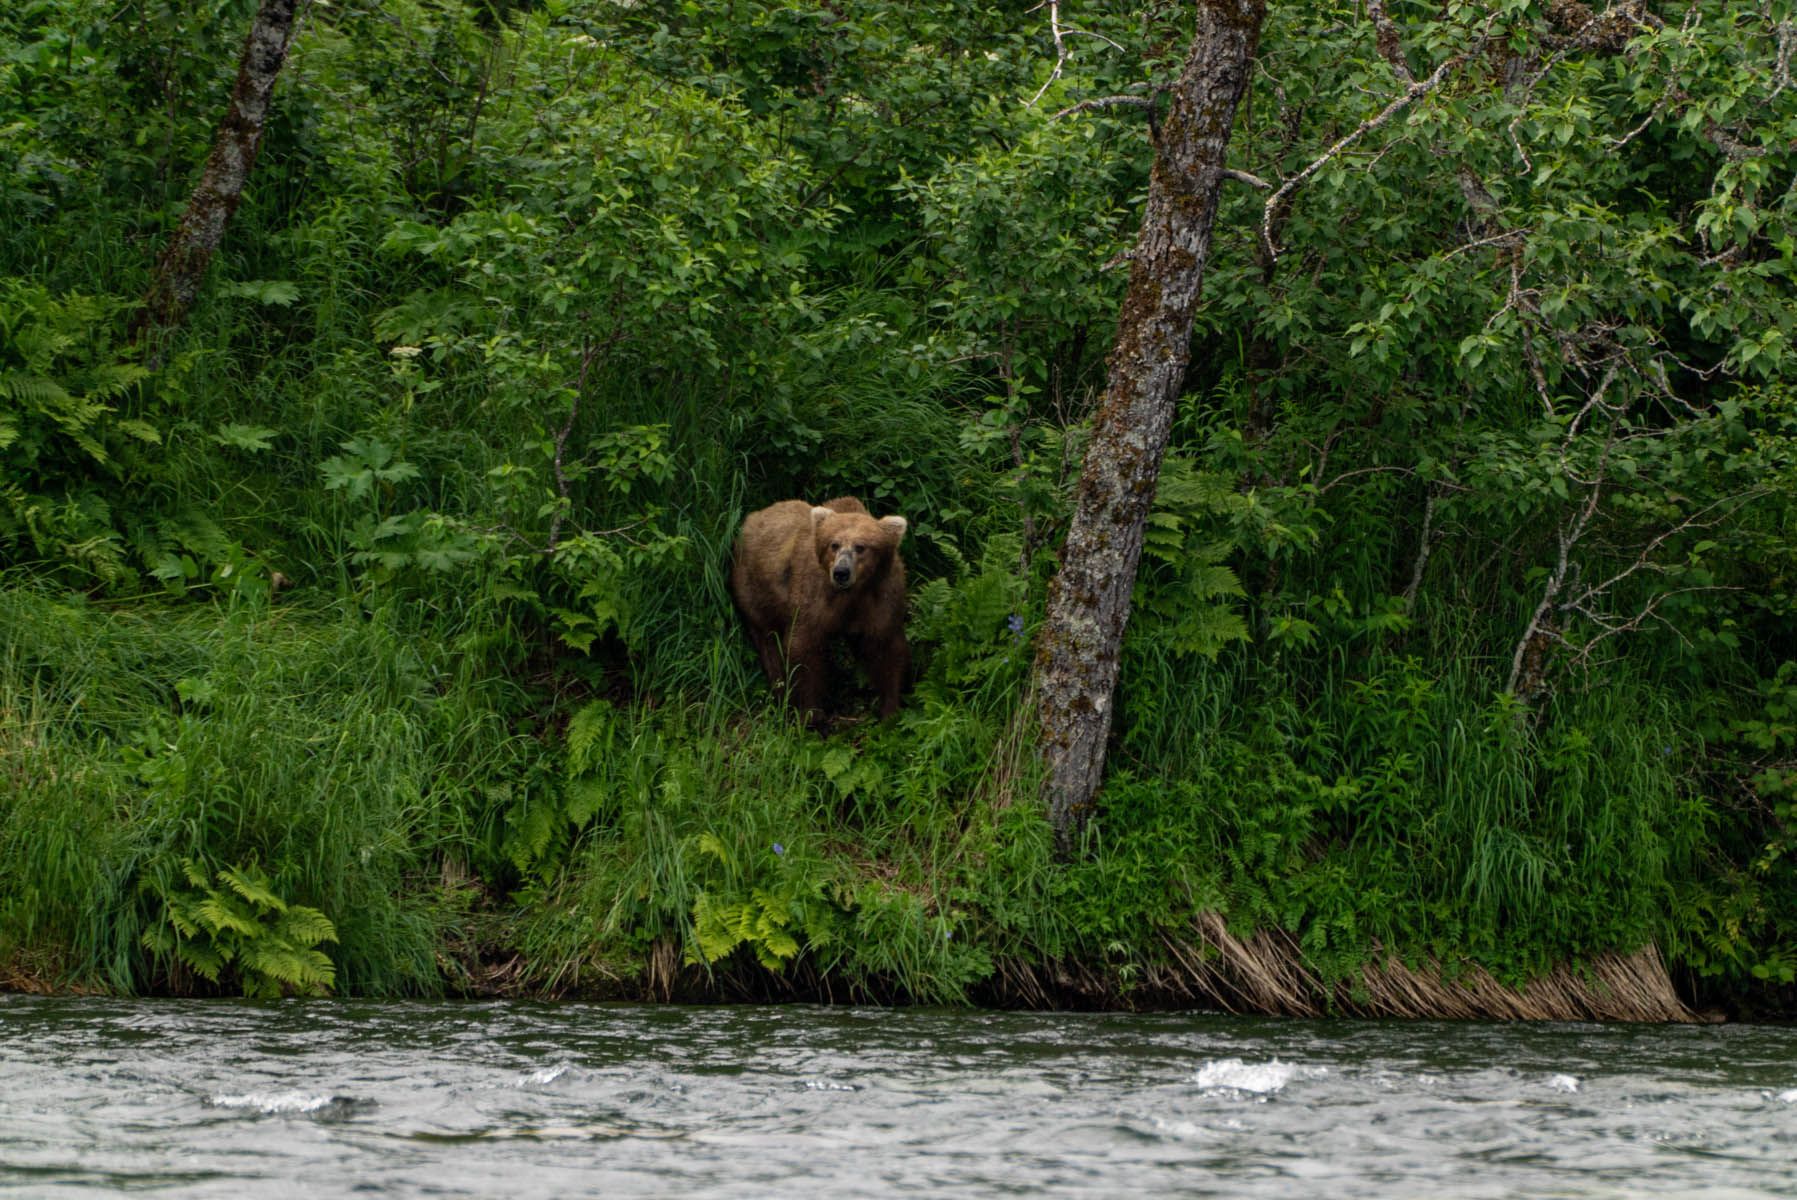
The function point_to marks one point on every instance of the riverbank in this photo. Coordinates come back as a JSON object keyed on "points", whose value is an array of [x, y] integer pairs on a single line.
{"points": [[365, 630], [279, 799]]}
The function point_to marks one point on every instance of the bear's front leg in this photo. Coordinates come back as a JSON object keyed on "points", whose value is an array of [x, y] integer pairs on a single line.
{"points": [[767, 649], [807, 661], [887, 662]]}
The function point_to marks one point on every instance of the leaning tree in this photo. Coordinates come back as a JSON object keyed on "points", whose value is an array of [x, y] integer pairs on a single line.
{"points": [[1088, 604]]}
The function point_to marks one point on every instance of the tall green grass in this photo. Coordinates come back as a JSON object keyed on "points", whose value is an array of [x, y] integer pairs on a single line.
{"points": [[1392, 798], [332, 749], [900, 859]]}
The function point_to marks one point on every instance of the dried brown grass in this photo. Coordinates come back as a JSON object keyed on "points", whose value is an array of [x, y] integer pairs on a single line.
{"points": [[1266, 972]]}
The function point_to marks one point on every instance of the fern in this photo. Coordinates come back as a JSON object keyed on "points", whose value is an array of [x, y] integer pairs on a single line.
{"points": [[236, 917], [253, 888], [592, 723], [58, 427], [1189, 605], [761, 923], [33, 390]]}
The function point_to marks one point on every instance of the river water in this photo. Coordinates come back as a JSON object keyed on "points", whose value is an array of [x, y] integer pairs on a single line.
{"points": [[321, 1099]]}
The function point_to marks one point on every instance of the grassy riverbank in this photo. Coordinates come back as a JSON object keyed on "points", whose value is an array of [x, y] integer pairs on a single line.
{"points": [[369, 631], [464, 831]]}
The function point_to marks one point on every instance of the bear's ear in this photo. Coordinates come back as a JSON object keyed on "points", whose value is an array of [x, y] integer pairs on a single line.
{"points": [[898, 525], [819, 513]]}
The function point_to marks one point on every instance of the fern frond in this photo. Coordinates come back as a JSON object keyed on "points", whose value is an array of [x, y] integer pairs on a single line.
{"points": [[305, 927], [31, 390], [252, 885], [1214, 579], [590, 724], [217, 914]]}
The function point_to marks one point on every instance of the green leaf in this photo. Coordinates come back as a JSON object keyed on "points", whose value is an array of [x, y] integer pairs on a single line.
{"points": [[219, 914], [593, 723], [252, 885], [249, 438], [303, 926], [142, 431], [277, 292], [710, 843]]}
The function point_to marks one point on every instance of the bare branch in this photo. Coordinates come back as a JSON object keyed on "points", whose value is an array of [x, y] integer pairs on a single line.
{"points": [[1781, 71], [1584, 601], [1109, 102], [1060, 52], [1649, 611], [1278, 202], [1253, 181], [1391, 470], [1509, 237], [1721, 510], [1595, 400], [1652, 115], [1732, 147], [1425, 545], [1070, 32], [1528, 664], [1532, 645], [1609, 31]]}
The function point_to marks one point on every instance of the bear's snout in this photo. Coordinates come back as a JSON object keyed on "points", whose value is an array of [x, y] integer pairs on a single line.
{"points": [[843, 573]]}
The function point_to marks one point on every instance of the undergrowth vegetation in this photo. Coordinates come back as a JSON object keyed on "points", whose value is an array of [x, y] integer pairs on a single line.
{"points": [[374, 637]]}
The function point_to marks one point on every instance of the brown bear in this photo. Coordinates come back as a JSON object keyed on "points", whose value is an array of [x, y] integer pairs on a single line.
{"points": [[804, 574]]}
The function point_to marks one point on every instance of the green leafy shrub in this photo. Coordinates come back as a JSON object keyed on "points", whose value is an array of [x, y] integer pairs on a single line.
{"points": [[60, 430]]}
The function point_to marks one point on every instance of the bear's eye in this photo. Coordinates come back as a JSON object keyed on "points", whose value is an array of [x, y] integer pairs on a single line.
{"points": [[835, 545], [860, 549]]}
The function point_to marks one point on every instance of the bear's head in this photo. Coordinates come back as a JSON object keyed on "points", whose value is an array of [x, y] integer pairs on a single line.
{"points": [[852, 547]]}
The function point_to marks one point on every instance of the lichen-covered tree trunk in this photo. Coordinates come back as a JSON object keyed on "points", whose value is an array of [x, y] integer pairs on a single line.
{"points": [[184, 261], [1088, 604]]}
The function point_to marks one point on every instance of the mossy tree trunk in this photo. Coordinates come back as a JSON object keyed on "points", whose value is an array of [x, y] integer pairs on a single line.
{"points": [[1088, 603], [183, 264]]}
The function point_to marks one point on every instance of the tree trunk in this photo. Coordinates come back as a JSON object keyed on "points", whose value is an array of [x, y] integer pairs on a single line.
{"points": [[183, 264], [1088, 603]]}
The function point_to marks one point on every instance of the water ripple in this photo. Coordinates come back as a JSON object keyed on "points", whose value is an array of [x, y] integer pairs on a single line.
{"points": [[224, 1099]]}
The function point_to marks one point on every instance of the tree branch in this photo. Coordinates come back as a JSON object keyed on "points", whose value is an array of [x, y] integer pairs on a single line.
{"points": [[1111, 102], [1528, 665], [1060, 52], [1425, 545], [1280, 200]]}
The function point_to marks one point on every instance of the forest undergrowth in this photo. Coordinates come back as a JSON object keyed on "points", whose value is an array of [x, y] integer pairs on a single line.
{"points": [[369, 634]]}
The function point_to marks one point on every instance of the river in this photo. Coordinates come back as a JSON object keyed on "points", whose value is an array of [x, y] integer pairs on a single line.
{"points": [[325, 1099]]}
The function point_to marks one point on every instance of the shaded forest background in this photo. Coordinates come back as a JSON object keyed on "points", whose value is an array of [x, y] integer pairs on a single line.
{"points": [[369, 631]]}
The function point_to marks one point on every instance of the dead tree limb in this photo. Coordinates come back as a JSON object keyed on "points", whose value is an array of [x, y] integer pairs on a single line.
{"points": [[1060, 52]]}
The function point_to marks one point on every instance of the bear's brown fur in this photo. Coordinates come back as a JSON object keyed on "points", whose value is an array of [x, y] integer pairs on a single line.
{"points": [[804, 574]]}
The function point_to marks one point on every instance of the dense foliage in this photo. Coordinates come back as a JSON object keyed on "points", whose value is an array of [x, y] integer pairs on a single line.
{"points": [[373, 632]]}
